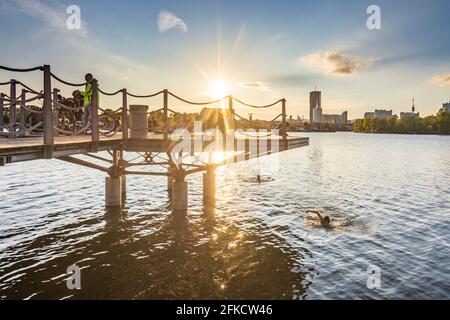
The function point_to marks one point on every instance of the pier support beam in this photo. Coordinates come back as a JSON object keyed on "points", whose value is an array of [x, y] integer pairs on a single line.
{"points": [[113, 192], [179, 194], [209, 186]]}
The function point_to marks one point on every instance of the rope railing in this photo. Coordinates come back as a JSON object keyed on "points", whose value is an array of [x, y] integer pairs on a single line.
{"points": [[110, 94], [257, 135], [197, 103], [173, 111], [18, 101], [73, 133], [5, 83], [145, 96], [30, 90], [30, 129], [255, 106], [41, 68], [240, 117], [155, 111], [27, 108], [245, 119], [66, 82], [109, 110], [276, 118], [63, 106], [23, 131]]}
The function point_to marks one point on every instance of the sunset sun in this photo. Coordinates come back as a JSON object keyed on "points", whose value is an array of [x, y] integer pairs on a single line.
{"points": [[219, 88]]}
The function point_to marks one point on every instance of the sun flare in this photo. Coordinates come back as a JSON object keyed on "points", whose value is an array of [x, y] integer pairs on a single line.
{"points": [[219, 88]]}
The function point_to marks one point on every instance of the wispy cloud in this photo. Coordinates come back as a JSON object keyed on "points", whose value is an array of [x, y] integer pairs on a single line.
{"points": [[168, 21], [441, 80], [83, 50], [338, 63], [54, 16], [256, 85]]}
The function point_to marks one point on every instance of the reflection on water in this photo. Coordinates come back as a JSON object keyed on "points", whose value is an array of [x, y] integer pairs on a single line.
{"points": [[387, 196], [132, 255]]}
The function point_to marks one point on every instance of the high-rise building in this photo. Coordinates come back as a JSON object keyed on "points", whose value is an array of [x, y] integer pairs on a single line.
{"points": [[345, 118], [369, 115], [315, 98], [317, 114], [383, 114]]}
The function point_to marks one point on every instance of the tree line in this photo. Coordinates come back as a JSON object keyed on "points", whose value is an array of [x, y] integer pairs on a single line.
{"points": [[435, 124]]}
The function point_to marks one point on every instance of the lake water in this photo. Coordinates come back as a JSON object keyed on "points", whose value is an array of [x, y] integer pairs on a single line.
{"points": [[388, 197]]}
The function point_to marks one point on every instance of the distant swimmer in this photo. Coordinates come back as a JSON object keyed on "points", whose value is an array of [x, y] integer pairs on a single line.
{"points": [[258, 178], [324, 221]]}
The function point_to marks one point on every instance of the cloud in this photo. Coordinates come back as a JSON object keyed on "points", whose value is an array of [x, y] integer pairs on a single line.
{"points": [[441, 80], [167, 21], [72, 52], [338, 63], [255, 85]]}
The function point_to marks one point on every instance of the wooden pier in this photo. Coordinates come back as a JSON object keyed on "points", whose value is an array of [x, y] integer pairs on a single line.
{"points": [[50, 134]]}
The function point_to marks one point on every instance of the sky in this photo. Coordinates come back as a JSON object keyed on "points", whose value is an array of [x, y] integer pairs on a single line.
{"points": [[259, 51]]}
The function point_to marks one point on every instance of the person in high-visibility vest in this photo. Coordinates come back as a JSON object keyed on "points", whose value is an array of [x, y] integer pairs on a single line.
{"points": [[87, 98]]}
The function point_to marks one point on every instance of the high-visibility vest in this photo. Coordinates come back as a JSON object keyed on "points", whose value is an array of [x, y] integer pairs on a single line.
{"points": [[87, 94]]}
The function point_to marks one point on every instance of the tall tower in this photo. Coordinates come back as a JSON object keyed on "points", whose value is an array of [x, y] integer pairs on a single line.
{"points": [[413, 107], [315, 98]]}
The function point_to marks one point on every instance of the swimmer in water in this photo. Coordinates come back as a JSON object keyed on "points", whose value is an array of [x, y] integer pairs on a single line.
{"points": [[258, 178], [324, 221]]}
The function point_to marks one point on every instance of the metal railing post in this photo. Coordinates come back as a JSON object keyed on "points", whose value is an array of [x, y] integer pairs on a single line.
{"points": [[166, 119], [124, 115], [48, 114], [22, 108], [12, 110], [284, 125], [94, 126]]}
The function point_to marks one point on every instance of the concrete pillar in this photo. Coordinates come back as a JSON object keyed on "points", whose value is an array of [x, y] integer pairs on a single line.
{"points": [[113, 192], [170, 183], [209, 186], [179, 195]]}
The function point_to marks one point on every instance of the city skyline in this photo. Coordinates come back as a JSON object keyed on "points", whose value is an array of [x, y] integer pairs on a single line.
{"points": [[261, 52]]}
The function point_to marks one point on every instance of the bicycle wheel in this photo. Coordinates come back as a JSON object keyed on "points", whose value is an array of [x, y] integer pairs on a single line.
{"points": [[106, 125], [66, 120]]}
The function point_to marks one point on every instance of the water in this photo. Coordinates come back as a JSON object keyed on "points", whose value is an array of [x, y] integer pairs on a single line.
{"points": [[388, 197]]}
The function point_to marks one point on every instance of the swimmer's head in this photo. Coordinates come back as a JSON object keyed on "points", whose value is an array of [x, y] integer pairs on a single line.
{"points": [[326, 220]]}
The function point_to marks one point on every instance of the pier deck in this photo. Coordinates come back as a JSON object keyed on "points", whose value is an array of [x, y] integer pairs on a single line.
{"points": [[24, 149]]}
